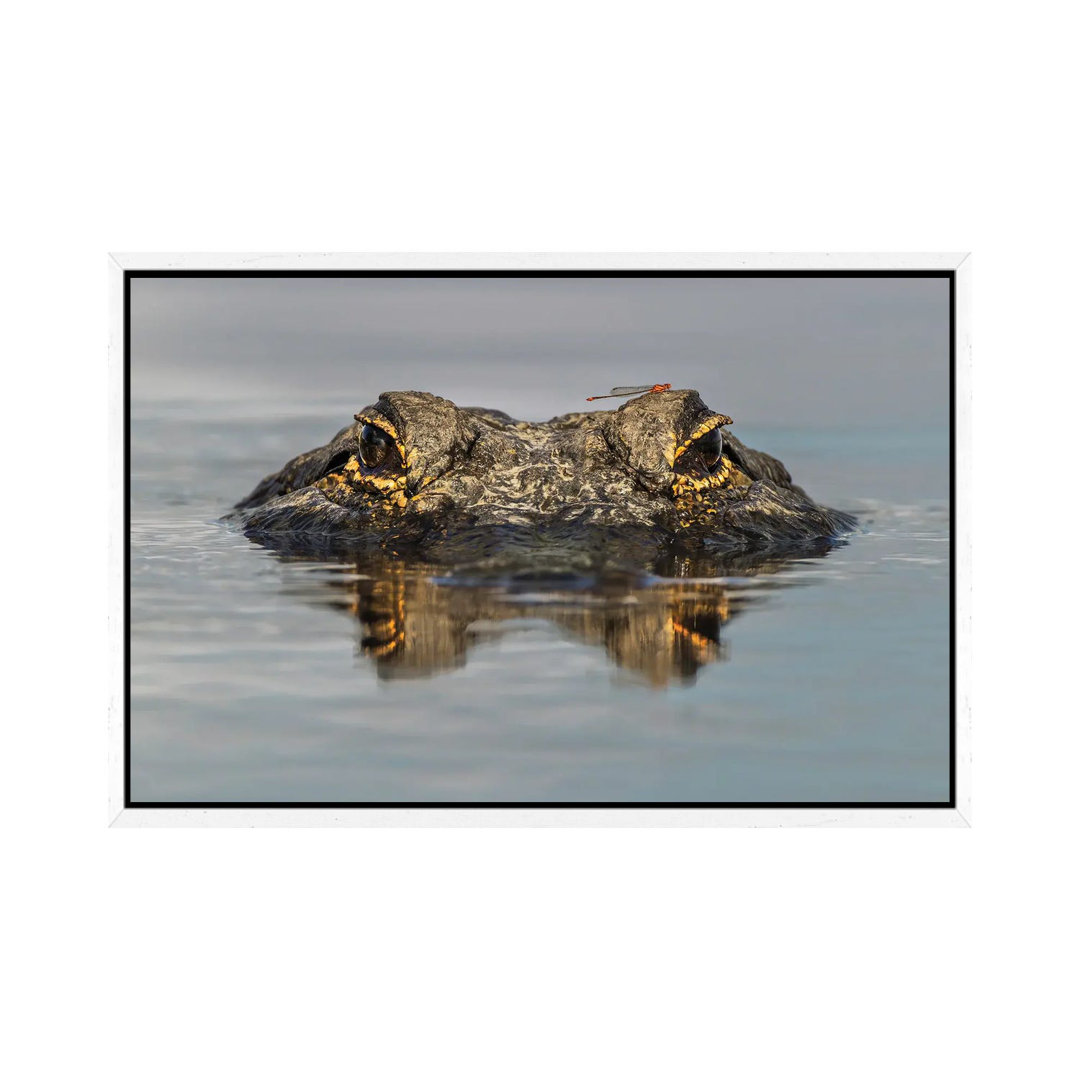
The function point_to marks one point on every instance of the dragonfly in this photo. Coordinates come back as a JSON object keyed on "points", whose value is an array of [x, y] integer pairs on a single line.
{"points": [[630, 391]]}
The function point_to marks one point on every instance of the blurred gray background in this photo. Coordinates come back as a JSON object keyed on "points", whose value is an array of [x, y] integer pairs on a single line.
{"points": [[847, 352]]}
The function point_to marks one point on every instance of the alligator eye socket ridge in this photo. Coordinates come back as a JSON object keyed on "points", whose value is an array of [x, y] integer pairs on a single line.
{"points": [[375, 446]]}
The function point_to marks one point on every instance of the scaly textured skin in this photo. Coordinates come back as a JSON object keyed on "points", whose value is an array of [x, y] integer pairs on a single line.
{"points": [[474, 483]]}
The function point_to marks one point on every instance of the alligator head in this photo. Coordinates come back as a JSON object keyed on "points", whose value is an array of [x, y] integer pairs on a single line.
{"points": [[415, 470]]}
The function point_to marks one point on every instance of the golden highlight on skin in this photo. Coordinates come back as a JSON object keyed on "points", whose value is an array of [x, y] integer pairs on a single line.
{"points": [[379, 421], [352, 475], [728, 475], [690, 491], [719, 420]]}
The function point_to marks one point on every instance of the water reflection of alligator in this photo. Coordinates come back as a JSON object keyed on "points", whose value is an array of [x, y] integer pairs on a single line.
{"points": [[577, 492], [414, 623]]}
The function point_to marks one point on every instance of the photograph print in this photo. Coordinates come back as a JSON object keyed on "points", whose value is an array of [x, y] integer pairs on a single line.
{"points": [[513, 538]]}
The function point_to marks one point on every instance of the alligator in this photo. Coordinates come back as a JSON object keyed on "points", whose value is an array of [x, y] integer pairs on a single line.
{"points": [[416, 473]]}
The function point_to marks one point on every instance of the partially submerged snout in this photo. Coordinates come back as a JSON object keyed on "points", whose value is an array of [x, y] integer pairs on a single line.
{"points": [[414, 467]]}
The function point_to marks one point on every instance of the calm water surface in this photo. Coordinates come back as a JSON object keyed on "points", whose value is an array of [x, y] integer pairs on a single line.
{"points": [[255, 677]]}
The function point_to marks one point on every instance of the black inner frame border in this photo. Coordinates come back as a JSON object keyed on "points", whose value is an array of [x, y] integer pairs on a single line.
{"points": [[129, 275]]}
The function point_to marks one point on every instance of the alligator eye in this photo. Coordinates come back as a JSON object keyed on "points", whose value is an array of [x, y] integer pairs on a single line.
{"points": [[710, 448], [375, 446]]}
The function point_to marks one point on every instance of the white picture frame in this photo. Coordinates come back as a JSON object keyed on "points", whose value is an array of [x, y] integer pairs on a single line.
{"points": [[957, 814]]}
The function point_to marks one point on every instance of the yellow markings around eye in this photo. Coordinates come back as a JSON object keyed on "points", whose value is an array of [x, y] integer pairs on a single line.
{"points": [[727, 477], [352, 482], [380, 421], [384, 485], [719, 420], [330, 482]]}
